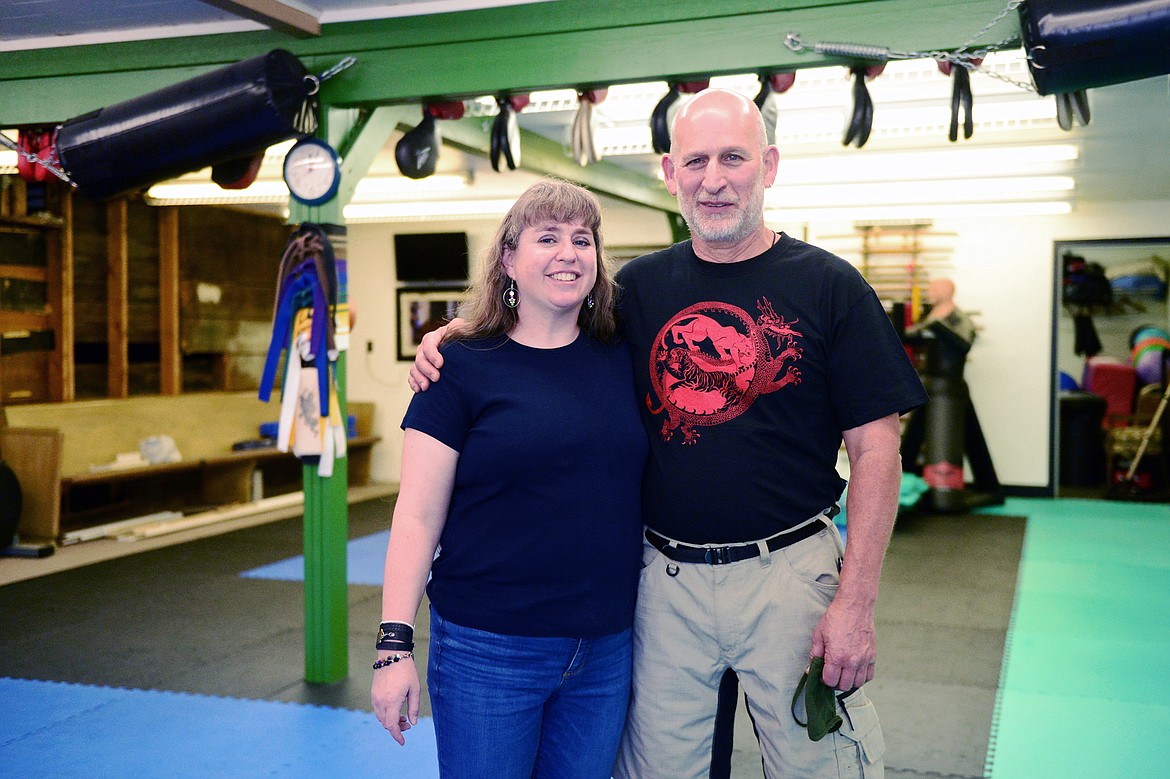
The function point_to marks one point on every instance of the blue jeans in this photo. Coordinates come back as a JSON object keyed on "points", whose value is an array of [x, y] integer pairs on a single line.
{"points": [[513, 707]]}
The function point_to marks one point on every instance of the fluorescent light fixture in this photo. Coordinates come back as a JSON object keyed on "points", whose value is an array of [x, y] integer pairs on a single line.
{"points": [[951, 163], [203, 193], [893, 193], [197, 191], [359, 213], [779, 217], [400, 186]]}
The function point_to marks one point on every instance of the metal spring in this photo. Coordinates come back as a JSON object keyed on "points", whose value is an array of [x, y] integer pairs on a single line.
{"points": [[853, 51]]}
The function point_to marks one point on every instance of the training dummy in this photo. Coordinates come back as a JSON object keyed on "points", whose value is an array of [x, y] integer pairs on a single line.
{"points": [[948, 422]]}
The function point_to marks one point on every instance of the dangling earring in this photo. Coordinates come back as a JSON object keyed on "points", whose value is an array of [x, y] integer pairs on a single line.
{"points": [[590, 302], [511, 296]]}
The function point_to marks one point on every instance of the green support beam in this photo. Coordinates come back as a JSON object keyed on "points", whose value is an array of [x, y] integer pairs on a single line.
{"points": [[368, 134], [516, 48], [326, 518]]}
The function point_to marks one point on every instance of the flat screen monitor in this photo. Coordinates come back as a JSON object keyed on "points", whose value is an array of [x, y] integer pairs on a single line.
{"points": [[431, 257]]}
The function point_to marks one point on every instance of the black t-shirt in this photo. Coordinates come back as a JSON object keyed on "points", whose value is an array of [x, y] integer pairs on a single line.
{"points": [[749, 372], [543, 530]]}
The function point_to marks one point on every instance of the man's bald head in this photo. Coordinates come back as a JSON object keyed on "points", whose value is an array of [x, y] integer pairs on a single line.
{"points": [[720, 107]]}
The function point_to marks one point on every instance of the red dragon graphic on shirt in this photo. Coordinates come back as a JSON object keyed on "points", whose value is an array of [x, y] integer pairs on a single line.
{"points": [[711, 360]]}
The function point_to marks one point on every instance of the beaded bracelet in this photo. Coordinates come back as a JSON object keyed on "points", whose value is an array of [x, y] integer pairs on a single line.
{"points": [[391, 660]]}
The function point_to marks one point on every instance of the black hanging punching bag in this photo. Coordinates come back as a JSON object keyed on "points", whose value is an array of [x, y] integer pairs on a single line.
{"points": [[945, 436], [227, 114], [1075, 45]]}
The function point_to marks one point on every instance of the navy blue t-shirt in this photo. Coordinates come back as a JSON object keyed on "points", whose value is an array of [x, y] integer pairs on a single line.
{"points": [[749, 372], [543, 531]]}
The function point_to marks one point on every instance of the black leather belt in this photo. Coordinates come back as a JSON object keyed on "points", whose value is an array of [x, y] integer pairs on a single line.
{"points": [[721, 555]]}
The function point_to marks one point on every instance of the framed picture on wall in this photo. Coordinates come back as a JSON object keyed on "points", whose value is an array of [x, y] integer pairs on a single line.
{"points": [[421, 310]]}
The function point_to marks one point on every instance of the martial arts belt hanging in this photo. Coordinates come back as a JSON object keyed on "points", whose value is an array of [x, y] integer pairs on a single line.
{"points": [[311, 424], [223, 118]]}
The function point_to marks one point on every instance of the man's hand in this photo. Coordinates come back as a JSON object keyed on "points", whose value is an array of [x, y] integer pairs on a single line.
{"points": [[846, 638], [845, 635], [428, 361]]}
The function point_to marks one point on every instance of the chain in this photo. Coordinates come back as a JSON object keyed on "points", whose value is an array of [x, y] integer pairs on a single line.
{"points": [[1009, 8], [960, 56], [344, 64], [306, 119], [48, 165]]}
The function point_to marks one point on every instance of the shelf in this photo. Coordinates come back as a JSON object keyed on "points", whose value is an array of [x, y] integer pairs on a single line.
{"points": [[896, 264], [47, 221]]}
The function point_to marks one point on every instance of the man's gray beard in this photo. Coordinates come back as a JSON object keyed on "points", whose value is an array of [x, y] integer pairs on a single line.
{"points": [[749, 219]]}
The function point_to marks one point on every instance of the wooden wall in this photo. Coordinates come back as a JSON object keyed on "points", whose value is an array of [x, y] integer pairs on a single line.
{"points": [[228, 266], [91, 301], [185, 298]]}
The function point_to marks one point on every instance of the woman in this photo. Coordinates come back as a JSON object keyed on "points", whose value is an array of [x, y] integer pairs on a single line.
{"points": [[523, 468]]}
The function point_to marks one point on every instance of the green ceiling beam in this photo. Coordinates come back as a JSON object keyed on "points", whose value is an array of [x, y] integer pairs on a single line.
{"points": [[367, 139], [516, 48], [541, 155]]}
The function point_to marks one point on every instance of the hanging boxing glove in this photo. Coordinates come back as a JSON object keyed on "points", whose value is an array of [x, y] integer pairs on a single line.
{"points": [[584, 148], [961, 98], [39, 150], [659, 122], [417, 152], [1072, 107], [663, 114], [447, 110], [499, 134], [767, 108], [961, 101], [512, 131], [505, 134], [579, 141], [237, 174], [861, 122]]}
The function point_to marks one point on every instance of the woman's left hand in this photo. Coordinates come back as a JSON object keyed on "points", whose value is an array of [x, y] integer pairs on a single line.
{"points": [[394, 685]]}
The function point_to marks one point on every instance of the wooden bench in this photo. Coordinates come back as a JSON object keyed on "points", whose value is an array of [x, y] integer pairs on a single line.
{"points": [[58, 452]]}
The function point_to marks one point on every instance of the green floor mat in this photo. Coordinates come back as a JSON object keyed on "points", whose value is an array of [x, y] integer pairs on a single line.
{"points": [[1083, 692]]}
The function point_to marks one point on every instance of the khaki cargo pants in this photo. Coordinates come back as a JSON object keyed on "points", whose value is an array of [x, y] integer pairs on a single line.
{"points": [[694, 620]]}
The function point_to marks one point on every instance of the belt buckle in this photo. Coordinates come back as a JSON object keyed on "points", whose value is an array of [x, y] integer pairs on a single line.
{"points": [[718, 556]]}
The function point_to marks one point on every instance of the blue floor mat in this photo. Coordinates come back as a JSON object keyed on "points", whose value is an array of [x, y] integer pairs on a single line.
{"points": [[52, 729], [365, 561]]}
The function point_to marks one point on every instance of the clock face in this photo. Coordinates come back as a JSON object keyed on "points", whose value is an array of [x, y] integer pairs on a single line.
{"points": [[312, 171]]}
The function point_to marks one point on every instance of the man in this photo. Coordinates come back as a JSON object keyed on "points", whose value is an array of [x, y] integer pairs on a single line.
{"points": [[756, 355]]}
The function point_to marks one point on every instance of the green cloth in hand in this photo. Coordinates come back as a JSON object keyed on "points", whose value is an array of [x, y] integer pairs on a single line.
{"points": [[820, 702]]}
